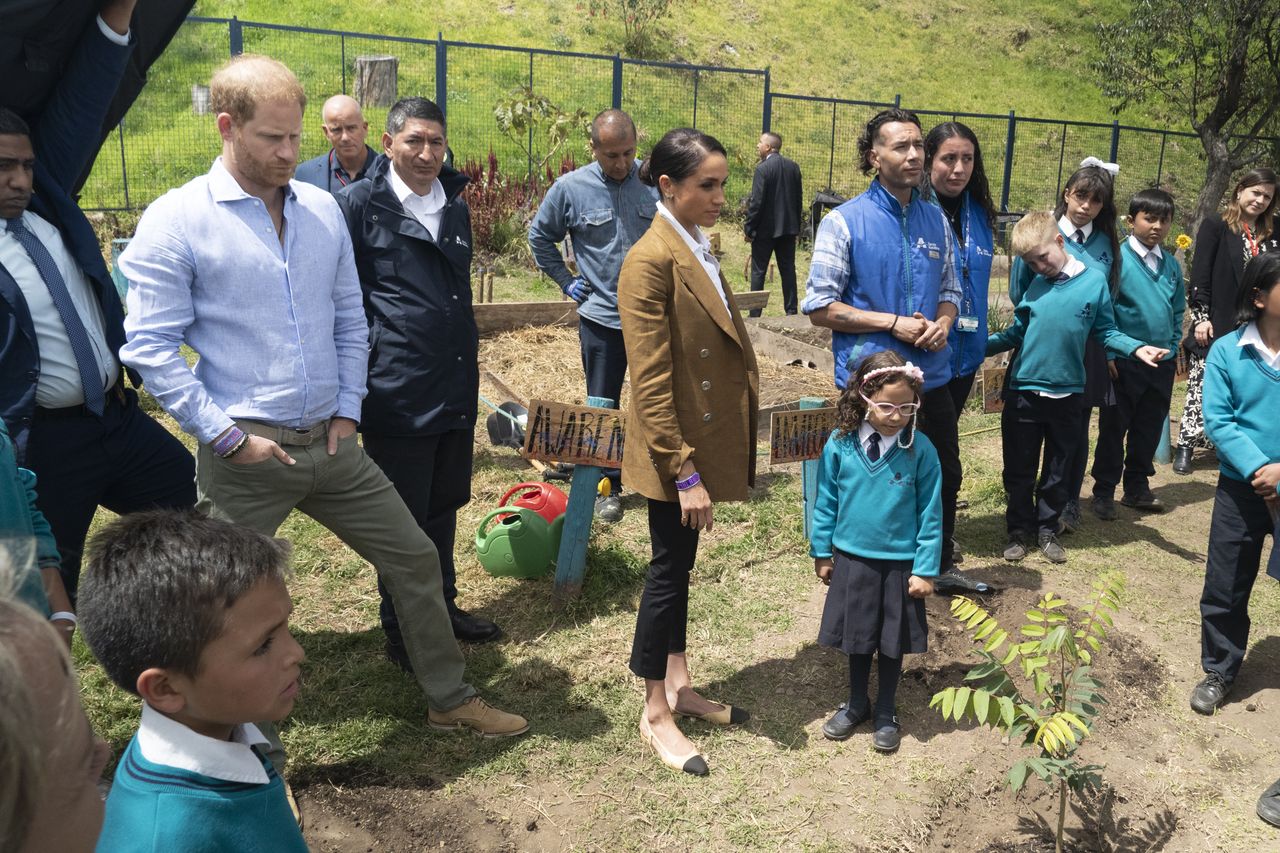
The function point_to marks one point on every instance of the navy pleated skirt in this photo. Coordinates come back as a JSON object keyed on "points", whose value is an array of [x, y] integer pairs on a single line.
{"points": [[868, 609]]}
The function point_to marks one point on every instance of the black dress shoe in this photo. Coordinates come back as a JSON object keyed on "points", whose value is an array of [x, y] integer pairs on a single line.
{"points": [[888, 736], [1145, 501], [399, 655], [1209, 694], [473, 629], [1269, 804], [1182, 460], [843, 722]]}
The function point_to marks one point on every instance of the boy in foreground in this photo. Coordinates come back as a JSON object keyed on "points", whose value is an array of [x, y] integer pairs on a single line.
{"points": [[192, 615], [1064, 305]]}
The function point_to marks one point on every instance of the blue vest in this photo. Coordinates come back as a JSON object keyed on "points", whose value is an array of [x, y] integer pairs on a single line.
{"points": [[968, 349], [896, 259]]}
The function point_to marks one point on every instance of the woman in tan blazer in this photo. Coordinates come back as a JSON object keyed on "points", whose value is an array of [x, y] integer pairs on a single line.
{"points": [[692, 423]]}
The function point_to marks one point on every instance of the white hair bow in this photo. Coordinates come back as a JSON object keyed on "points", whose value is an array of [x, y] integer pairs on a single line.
{"points": [[1113, 168]]}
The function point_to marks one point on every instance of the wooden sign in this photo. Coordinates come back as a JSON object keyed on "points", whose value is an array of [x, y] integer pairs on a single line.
{"points": [[992, 388], [799, 434], [582, 435]]}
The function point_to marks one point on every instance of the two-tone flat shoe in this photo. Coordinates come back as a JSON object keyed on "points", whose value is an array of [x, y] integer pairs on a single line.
{"points": [[693, 763], [726, 716]]}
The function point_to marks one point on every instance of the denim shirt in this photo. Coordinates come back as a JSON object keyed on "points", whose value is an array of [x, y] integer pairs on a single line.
{"points": [[279, 327], [605, 218]]}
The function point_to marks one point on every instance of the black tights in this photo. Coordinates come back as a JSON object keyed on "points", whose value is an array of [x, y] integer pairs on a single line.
{"points": [[889, 670]]}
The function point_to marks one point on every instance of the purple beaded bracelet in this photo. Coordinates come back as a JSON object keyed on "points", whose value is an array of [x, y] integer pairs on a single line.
{"points": [[228, 442], [684, 485]]}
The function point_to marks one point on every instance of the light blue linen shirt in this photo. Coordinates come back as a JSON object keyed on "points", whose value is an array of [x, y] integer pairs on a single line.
{"points": [[605, 218], [279, 326]]}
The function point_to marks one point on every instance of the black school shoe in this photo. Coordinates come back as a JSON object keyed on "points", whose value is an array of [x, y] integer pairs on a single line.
{"points": [[842, 722], [888, 736], [472, 629], [1209, 694], [1051, 548], [1016, 550], [1145, 502], [1269, 804], [1104, 507], [1182, 460]]}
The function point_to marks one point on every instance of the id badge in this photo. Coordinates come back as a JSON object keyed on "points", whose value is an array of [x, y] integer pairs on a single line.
{"points": [[966, 323]]}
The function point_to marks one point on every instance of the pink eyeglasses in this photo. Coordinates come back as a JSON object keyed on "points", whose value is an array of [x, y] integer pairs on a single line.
{"points": [[887, 409]]}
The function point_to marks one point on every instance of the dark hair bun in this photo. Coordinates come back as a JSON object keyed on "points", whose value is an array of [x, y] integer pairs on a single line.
{"points": [[645, 173]]}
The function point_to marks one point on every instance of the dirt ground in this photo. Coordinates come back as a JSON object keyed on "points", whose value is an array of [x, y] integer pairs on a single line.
{"points": [[1174, 781]]}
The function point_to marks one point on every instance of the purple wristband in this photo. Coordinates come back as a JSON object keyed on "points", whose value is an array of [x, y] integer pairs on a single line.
{"points": [[228, 442], [685, 485]]}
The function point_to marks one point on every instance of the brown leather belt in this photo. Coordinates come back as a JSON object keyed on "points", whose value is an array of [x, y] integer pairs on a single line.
{"points": [[287, 436]]}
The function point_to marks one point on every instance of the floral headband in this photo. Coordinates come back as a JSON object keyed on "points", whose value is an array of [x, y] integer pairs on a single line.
{"points": [[909, 370]]}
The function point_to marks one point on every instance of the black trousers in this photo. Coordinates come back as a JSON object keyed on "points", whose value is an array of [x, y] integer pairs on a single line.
{"points": [[1031, 422], [960, 387], [124, 461], [1239, 525], [1141, 411], [664, 605], [432, 475], [784, 249], [938, 420], [604, 361]]}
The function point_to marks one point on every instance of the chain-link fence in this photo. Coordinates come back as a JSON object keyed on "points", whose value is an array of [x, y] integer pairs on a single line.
{"points": [[169, 135]]}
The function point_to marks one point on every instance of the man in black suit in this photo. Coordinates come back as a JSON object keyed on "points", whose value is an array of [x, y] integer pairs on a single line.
{"points": [[62, 391], [773, 218]]}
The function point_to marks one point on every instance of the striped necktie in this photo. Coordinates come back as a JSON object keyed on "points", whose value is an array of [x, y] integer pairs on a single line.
{"points": [[1079, 236], [90, 373]]}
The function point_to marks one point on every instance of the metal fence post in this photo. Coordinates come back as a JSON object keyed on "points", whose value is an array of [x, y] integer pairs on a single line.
{"points": [[235, 33], [124, 169], [695, 97], [766, 121], [897, 101], [529, 151], [617, 81], [1008, 161], [442, 73], [831, 163], [1115, 141], [342, 46], [1164, 137]]}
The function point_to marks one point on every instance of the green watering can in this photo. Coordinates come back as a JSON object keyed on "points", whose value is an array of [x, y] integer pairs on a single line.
{"points": [[520, 545]]}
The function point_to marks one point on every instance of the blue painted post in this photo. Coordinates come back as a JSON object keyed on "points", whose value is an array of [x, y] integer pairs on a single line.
{"points": [[236, 34], [1164, 449], [766, 122], [809, 471], [1008, 161], [617, 81], [442, 73], [571, 562]]}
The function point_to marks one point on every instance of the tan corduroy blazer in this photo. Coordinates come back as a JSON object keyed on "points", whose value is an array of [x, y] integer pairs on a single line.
{"points": [[694, 383]]}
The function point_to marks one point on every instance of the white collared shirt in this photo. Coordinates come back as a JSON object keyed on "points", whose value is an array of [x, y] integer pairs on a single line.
{"points": [[427, 209], [1066, 226], [1073, 267], [1250, 336], [58, 385], [1151, 257], [166, 741], [701, 249], [886, 438]]}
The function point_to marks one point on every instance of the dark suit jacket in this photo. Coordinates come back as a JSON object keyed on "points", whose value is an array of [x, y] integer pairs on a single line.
{"points": [[695, 388], [1217, 268], [776, 198], [318, 173], [65, 138], [424, 373]]}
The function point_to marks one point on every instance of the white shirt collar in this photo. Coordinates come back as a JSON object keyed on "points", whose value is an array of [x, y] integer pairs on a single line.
{"points": [[433, 202], [698, 246], [1073, 267], [1067, 227], [166, 741], [1250, 336], [886, 439], [1142, 251]]}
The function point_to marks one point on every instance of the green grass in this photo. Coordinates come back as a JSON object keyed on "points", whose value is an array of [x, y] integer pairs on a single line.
{"points": [[976, 56]]}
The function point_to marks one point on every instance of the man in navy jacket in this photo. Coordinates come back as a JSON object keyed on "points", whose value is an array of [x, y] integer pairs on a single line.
{"points": [[62, 390], [411, 231]]}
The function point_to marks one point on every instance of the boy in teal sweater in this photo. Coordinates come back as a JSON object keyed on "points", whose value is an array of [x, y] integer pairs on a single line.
{"points": [[192, 614], [1149, 306], [1064, 305]]}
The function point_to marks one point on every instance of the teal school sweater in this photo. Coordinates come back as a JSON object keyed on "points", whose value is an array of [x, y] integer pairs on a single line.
{"points": [[1094, 254], [1150, 305], [1049, 330], [890, 509], [1241, 407], [155, 808]]}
